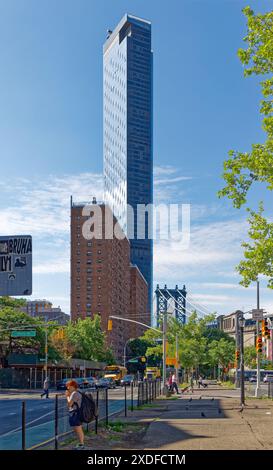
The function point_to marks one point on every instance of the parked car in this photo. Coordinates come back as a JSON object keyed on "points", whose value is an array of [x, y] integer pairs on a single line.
{"points": [[268, 378], [84, 382], [92, 382], [61, 385], [106, 383], [127, 380]]}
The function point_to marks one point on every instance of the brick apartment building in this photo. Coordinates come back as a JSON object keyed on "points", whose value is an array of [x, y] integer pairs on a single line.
{"points": [[101, 278], [44, 309]]}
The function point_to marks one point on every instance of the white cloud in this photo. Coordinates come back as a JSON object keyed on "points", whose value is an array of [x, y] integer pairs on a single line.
{"points": [[164, 170], [172, 180], [43, 208], [224, 286], [52, 267], [210, 244]]}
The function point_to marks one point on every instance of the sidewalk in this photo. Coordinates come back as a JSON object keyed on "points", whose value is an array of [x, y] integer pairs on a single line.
{"points": [[210, 423]]}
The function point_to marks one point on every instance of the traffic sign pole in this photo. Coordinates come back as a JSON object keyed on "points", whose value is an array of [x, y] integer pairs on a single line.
{"points": [[257, 390], [46, 351], [164, 351]]}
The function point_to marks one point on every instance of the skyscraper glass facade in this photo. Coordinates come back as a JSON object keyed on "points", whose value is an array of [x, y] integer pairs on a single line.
{"points": [[128, 118]]}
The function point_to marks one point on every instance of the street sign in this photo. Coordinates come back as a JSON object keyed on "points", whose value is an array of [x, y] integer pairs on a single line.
{"points": [[16, 265], [171, 361], [258, 314], [23, 334]]}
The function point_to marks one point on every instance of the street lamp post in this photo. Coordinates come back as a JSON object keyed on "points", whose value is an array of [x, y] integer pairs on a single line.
{"points": [[242, 366], [46, 350], [258, 383], [164, 352], [124, 352]]}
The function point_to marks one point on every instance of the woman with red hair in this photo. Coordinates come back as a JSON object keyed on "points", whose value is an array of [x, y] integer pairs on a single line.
{"points": [[74, 400]]}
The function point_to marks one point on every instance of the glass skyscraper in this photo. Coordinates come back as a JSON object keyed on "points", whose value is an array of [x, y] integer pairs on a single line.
{"points": [[128, 128]]}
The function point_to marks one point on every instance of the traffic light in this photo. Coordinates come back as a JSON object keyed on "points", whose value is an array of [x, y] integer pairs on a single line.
{"points": [[143, 359], [59, 333], [265, 330], [237, 355], [259, 344], [110, 325]]}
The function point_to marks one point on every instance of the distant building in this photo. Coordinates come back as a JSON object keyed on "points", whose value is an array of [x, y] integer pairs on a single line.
{"points": [[128, 133], [227, 323], [44, 309], [138, 302]]}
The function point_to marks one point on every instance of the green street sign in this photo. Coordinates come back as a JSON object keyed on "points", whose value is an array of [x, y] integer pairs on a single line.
{"points": [[23, 333]]}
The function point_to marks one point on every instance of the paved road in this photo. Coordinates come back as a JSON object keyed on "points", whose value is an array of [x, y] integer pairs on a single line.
{"points": [[40, 416]]}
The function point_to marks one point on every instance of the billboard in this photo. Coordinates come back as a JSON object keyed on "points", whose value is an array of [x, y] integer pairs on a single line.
{"points": [[16, 265]]}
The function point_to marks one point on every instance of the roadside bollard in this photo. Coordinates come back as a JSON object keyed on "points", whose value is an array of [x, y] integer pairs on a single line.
{"points": [[138, 394], [106, 406], [97, 417], [56, 422], [132, 396], [125, 400], [23, 425]]}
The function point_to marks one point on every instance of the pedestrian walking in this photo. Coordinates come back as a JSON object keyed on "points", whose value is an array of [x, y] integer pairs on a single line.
{"points": [[201, 382], [74, 401], [174, 384], [170, 383], [46, 388]]}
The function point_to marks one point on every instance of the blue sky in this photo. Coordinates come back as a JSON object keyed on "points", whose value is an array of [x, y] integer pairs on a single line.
{"points": [[51, 131]]}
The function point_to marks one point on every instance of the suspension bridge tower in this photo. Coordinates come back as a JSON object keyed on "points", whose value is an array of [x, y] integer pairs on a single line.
{"points": [[175, 297]]}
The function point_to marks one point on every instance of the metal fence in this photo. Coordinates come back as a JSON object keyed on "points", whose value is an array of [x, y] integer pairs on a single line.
{"points": [[44, 423]]}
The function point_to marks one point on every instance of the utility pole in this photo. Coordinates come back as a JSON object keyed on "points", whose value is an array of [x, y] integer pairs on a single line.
{"points": [[257, 391], [164, 352], [46, 351], [237, 337], [176, 356], [242, 366], [124, 352]]}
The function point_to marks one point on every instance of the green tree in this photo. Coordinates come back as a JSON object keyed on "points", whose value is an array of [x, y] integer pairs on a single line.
{"points": [[250, 355], [200, 347], [221, 353], [89, 341], [12, 317], [243, 169]]}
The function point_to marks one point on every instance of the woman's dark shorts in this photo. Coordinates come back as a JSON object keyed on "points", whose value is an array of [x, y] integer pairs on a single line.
{"points": [[74, 419]]}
